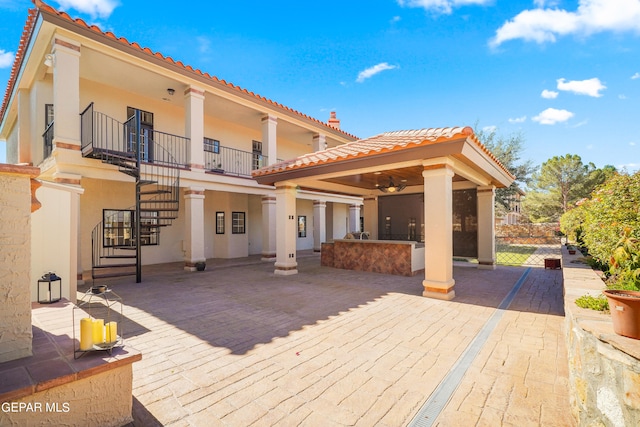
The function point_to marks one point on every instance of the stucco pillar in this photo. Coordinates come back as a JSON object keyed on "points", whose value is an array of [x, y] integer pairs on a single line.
{"points": [[438, 229], [269, 138], [194, 126], [486, 227], [66, 93], [24, 128], [354, 218], [268, 228], [319, 142], [286, 226], [194, 228], [370, 214], [319, 224]]}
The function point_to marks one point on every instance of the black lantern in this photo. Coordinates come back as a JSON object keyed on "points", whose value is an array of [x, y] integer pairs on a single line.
{"points": [[47, 296]]}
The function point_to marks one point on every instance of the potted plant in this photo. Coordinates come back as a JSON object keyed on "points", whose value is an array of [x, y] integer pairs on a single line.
{"points": [[624, 293], [201, 265]]}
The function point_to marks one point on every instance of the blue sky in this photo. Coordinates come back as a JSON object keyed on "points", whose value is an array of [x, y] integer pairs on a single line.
{"points": [[564, 74]]}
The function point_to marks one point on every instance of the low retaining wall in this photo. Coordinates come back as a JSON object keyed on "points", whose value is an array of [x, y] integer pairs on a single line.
{"points": [[604, 368]]}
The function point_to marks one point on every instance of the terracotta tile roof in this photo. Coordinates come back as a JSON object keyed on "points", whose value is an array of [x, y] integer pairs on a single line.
{"points": [[383, 143], [43, 7]]}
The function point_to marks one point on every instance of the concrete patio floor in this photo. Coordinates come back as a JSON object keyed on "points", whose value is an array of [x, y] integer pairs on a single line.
{"points": [[236, 345]]}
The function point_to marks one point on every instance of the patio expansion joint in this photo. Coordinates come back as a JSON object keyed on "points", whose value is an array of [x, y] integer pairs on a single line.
{"points": [[434, 405]]}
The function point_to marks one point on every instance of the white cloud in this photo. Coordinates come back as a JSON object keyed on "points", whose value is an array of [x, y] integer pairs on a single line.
{"points": [[549, 94], [622, 96], [632, 144], [95, 8], [6, 59], [590, 87], [592, 16], [490, 129], [635, 76], [372, 71], [441, 6], [551, 116], [518, 119]]}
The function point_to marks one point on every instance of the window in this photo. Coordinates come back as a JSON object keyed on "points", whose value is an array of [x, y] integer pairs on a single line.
{"points": [[257, 160], [48, 115], [119, 228], [237, 222], [212, 145], [219, 222], [302, 226], [146, 131]]}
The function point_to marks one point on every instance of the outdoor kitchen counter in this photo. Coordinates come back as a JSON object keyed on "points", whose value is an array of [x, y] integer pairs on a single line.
{"points": [[399, 257]]}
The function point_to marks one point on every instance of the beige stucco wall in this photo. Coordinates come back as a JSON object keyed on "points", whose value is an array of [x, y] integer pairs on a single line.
{"points": [[12, 146], [339, 223], [50, 240], [15, 295], [102, 400]]}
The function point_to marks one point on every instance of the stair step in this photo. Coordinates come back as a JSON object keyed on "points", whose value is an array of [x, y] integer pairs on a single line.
{"points": [[147, 182], [159, 210], [118, 256], [132, 172], [156, 192], [114, 265], [108, 275]]}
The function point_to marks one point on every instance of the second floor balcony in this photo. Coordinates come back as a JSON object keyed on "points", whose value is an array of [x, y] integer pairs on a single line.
{"points": [[102, 134]]}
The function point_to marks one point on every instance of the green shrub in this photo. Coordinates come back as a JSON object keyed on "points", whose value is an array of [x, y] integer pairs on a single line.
{"points": [[598, 303]]}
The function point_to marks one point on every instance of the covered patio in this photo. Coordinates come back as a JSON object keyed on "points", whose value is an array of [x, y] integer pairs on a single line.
{"points": [[431, 162]]}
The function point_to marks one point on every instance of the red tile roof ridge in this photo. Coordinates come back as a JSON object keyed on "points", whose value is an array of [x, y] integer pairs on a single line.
{"points": [[384, 142], [43, 7]]}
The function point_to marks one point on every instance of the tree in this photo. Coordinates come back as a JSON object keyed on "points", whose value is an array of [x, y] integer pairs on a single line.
{"points": [[613, 208], [559, 184], [507, 150]]}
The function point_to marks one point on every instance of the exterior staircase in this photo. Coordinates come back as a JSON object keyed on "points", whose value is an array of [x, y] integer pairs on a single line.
{"points": [[116, 242]]}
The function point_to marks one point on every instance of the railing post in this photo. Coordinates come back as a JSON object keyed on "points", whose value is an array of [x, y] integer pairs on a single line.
{"points": [[138, 216]]}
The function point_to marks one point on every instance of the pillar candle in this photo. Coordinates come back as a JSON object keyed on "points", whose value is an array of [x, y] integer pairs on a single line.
{"points": [[86, 334], [98, 331], [111, 330]]}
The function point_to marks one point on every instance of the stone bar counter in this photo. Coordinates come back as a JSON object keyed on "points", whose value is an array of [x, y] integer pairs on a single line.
{"points": [[399, 257]]}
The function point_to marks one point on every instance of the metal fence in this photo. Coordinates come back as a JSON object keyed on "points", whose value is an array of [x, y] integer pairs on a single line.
{"points": [[529, 251]]}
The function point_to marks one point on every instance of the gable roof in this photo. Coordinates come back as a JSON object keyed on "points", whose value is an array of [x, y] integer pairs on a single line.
{"points": [[384, 143], [44, 9]]}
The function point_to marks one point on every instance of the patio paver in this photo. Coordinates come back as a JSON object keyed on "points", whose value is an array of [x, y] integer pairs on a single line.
{"points": [[240, 346]]}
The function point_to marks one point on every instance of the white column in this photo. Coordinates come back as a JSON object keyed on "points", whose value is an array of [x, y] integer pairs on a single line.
{"points": [[269, 138], [319, 142], [194, 126], [286, 226], [319, 224], [438, 229], [74, 227], [371, 216], [268, 228], [354, 218], [24, 128], [66, 93], [194, 228], [486, 227]]}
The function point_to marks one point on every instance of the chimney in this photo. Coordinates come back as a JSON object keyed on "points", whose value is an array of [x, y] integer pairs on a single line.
{"points": [[333, 121]]}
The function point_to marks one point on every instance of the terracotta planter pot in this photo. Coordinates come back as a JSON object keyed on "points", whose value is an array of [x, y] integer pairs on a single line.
{"points": [[625, 312]]}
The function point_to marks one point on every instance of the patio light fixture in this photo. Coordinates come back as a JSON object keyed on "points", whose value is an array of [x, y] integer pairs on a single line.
{"points": [[391, 188]]}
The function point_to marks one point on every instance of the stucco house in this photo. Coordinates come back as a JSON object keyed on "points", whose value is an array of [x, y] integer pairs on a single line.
{"points": [[78, 101], [147, 160]]}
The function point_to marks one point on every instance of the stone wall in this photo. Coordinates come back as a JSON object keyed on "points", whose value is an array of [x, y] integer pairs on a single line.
{"points": [[604, 368], [102, 400], [15, 261]]}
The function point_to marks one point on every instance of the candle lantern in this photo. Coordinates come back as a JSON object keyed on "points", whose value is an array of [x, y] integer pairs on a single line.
{"points": [[46, 292], [97, 318]]}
